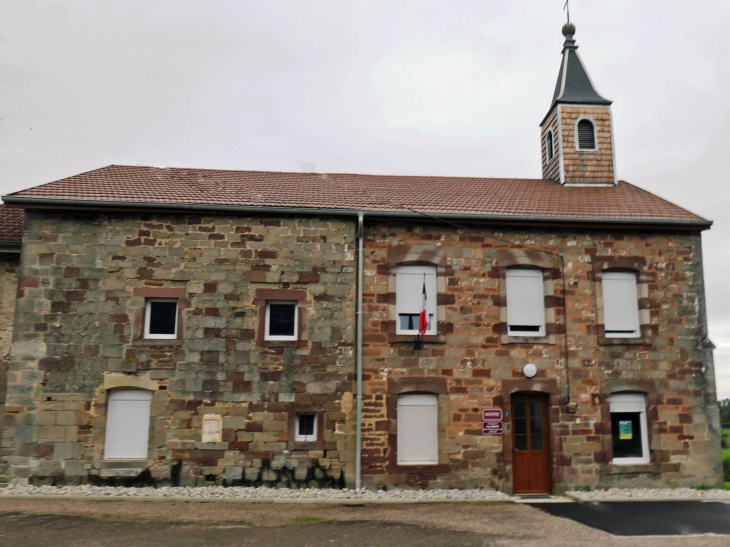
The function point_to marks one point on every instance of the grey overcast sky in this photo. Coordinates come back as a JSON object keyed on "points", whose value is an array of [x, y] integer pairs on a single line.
{"points": [[431, 87]]}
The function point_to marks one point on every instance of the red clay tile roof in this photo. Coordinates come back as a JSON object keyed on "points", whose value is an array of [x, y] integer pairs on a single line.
{"points": [[11, 224], [435, 195]]}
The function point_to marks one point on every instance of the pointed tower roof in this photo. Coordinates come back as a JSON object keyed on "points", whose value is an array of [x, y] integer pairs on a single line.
{"points": [[574, 86]]}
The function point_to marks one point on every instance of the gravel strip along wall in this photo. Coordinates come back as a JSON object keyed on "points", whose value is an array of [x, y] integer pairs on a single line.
{"points": [[262, 493]]}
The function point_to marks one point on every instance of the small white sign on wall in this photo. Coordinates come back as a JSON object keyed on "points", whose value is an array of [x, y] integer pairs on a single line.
{"points": [[212, 428]]}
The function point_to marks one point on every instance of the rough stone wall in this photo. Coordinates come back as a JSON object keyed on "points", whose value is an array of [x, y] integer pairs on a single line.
{"points": [[587, 165], [9, 264], [82, 290], [470, 366], [551, 169]]}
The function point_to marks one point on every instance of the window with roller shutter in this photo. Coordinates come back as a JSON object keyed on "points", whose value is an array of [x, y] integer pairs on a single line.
{"points": [[417, 417], [620, 305], [525, 302], [127, 425], [409, 298]]}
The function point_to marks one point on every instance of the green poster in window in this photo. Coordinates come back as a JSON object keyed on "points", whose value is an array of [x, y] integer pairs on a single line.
{"points": [[624, 430]]}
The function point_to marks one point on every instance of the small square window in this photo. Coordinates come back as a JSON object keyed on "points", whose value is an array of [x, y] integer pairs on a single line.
{"points": [[160, 319], [306, 426], [281, 321]]}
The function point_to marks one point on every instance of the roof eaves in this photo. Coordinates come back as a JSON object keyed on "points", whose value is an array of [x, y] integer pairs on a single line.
{"points": [[411, 213]]}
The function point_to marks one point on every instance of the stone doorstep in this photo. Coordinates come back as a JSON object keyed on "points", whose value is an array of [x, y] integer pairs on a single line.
{"points": [[582, 499], [546, 499], [179, 499]]}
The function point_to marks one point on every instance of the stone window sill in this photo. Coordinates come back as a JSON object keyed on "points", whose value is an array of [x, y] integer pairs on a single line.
{"points": [[157, 343], [550, 339], [419, 469], [411, 339], [305, 445], [122, 464], [633, 469], [640, 341]]}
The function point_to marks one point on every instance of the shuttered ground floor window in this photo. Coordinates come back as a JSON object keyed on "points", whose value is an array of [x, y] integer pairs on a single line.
{"points": [[417, 429], [127, 425]]}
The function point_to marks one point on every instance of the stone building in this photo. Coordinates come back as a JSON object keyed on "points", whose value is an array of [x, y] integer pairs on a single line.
{"points": [[11, 236], [197, 326]]}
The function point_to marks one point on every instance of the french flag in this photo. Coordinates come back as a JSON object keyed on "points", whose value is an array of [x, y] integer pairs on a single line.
{"points": [[423, 318]]}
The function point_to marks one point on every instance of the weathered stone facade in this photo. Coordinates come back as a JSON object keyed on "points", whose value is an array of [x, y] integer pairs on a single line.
{"points": [[9, 265], [81, 298], [471, 364]]}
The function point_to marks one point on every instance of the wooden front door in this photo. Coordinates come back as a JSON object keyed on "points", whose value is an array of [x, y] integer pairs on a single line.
{"points": [[531, 445]]}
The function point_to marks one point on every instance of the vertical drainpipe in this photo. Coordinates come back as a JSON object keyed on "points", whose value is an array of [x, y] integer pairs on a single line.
{"points": [[358, 403]]}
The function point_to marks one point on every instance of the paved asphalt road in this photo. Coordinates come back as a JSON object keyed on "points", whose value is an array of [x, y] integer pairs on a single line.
{"points": [[65, 523], [646, 518]]}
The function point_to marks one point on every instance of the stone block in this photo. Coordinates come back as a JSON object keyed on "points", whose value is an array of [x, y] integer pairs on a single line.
{"points": [[233, 473]]}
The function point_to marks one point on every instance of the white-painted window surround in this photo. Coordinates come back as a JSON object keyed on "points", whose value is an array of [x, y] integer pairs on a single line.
{"points": [[409, 298], [417, 436], [525, 302], [305, 426], [620, 305], [585, 134], [629, 432], [282, 320], [550, 145], [160, 318]]}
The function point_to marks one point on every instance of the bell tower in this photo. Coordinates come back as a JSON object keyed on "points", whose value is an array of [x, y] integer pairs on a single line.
{"points": [[577, 132]]}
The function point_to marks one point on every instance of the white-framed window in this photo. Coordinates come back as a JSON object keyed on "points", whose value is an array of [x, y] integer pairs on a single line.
{"points": [[305, 426], [160, 318], [549, 145], [409, 301], [620, 304], [282, 320], [629, 433], [525, 302], [127, 425], [417, 436], [585, 131]]}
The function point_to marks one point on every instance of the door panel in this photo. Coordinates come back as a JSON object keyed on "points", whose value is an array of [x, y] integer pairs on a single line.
{"points": [[531, 445]]}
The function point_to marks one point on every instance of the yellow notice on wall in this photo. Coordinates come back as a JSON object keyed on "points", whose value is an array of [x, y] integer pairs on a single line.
{"points": [[212, 428]]}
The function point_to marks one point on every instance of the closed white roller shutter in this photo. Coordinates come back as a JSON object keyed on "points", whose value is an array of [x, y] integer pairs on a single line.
{"points": [[417, 429], [620, 304], [127, 425], [409, 292], [525, 302]]}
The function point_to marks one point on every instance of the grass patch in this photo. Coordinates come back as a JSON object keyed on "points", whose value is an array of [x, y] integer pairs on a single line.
{"points": [[727, 485], [110, 516], [305, 519]]}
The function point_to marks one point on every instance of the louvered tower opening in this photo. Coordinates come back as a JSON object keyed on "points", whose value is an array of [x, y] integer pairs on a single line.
{"points": [[586, 135]]}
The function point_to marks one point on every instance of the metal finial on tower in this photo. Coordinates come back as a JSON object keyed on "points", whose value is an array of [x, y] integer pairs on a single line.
{"points": [[568, 28]]}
